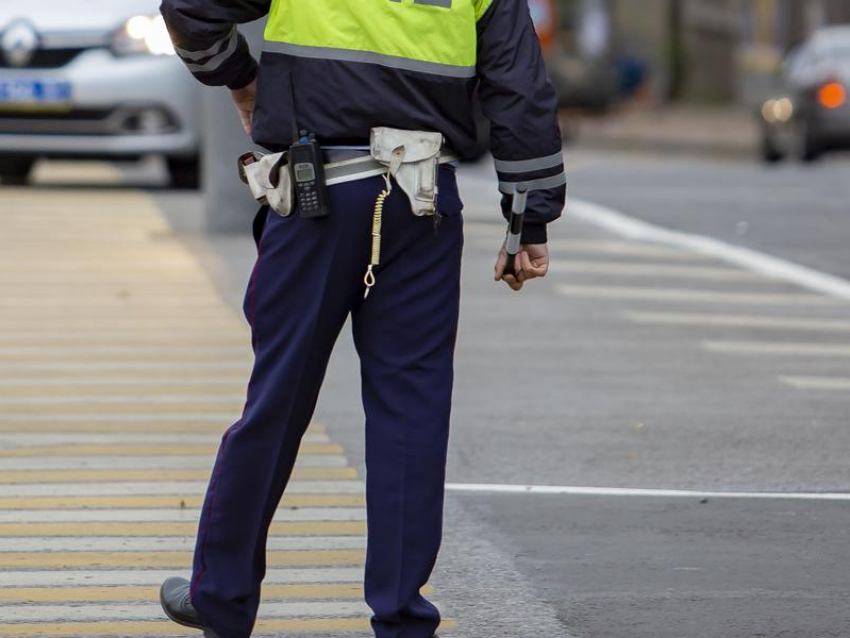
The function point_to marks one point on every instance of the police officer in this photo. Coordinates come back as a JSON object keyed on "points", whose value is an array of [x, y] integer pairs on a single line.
{"points": [[340, 68]]}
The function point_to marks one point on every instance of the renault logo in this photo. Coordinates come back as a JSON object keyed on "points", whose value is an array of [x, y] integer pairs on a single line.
{"points": [[18, 43]]}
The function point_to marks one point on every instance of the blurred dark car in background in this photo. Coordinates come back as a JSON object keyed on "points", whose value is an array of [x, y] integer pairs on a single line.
{"points": [[813, 115], [93, 79]]}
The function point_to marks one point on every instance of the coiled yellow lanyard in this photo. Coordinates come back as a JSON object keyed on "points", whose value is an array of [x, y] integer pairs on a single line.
{"points": [[377, 220]]}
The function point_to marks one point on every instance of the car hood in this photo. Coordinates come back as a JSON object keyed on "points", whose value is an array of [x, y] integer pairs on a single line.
{"points": [[64, 16]]}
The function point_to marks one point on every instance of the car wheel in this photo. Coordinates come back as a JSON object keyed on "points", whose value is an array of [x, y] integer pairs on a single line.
{"points": [[805, 146], [770, 153], [185, 172], [15, 169]]}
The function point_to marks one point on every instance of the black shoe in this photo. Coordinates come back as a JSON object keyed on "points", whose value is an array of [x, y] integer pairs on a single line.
{"points": [[177, 604]]}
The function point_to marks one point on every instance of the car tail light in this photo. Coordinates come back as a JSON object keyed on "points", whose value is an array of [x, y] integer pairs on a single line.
{"points": [[832, 96]]}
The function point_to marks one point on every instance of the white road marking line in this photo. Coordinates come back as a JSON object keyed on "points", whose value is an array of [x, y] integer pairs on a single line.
{"points": [[778, 349], [145, 462], [739, 321], [90, 350], [36, 439], [689, 295], [659, 271], [141, 337], [211, 418], [141, 488], [77, 381], [602, 248], [173, 515], [753, 260], [817, 383], [118, 400], [154, 366], [154, 577], [166, 544], [643, 493], [152, 611]]}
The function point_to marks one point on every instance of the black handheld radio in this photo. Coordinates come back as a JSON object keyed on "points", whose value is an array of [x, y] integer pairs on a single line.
{"points": [[307, 168]]}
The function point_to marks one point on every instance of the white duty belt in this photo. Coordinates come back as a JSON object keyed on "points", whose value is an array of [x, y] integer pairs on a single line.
{"points": [[411, 157]]}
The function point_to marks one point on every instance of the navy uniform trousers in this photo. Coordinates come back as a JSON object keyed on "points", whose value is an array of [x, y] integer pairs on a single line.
{"points": [[307, 280]]}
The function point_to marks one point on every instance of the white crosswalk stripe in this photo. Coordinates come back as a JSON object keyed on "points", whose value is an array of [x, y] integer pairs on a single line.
{"points": [[166, 544], [154, 577], [162, 488]]}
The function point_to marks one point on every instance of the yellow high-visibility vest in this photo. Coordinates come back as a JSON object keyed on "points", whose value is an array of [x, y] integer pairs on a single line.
{"points": [[432, 36]]}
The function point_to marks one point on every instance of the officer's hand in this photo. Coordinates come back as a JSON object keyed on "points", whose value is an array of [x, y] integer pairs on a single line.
{"points": [[531, 262], [244, 99]]}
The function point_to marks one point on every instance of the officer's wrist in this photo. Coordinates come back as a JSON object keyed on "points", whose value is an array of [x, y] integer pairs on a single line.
{"points": [[534, 233], [244, 75]]}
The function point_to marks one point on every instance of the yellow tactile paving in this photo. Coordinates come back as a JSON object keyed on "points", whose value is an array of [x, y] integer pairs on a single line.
{"points": [[173, 426], [109, 326], [191, 501], [145, 450], [144, 529], [151, 628], [147, 476], [124, 408], [177, 560], [143, 594]]}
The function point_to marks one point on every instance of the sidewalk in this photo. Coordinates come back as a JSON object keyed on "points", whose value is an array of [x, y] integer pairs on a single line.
{"points": [[120, 367], [720, 131]]}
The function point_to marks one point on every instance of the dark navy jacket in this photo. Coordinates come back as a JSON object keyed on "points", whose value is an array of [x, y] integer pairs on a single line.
{"points": [[417, 72]]}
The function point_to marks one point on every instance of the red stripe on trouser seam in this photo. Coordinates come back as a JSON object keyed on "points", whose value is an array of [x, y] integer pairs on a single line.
{"points": [[217, 470]]}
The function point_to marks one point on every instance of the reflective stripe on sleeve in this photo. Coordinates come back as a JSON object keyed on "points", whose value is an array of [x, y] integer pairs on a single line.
{"points": [[526, 166], [369, 57], [194, 56], [213, 63], [534, 184]]}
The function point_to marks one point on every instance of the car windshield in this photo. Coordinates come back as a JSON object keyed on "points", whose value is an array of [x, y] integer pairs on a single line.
{"points": [[834, 54]]}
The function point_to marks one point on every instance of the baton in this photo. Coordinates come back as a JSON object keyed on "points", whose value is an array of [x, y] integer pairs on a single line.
{"points": [[512, 242]]}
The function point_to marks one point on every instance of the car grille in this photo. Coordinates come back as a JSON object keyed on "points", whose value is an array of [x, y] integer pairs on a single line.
{"points": [[123, 120], [46, 59]]}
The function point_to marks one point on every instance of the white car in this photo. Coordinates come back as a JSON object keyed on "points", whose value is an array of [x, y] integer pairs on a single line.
{"points": [[96, 79]]}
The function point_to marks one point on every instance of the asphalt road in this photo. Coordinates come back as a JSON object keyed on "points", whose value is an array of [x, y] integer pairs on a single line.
{"points": [[640, 366], [799, 212]]}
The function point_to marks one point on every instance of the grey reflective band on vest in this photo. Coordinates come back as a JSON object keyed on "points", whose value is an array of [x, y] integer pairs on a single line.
{"points": [[535, 184], [526, 166], [213, 63], [369, 57], [194, 56], [445, 4]]}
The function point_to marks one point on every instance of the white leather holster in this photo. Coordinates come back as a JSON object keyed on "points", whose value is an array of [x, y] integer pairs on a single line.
{"points": [[268, 178], [413, 159]]}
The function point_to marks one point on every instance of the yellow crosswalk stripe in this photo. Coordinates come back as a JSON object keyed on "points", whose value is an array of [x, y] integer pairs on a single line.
{"points": [[172, 427], [109, 325], [145, 450], [157, 628], [126, 408], [190, 501], [111, 476], [299, 528], [19, 595], [181, 560], [236, 387], [310, 591]]}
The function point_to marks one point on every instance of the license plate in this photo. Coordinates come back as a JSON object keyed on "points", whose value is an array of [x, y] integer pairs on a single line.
{"points": [[34, 94]]}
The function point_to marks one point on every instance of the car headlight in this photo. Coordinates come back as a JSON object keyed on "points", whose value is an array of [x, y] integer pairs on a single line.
{"points": [[143, 34]]}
